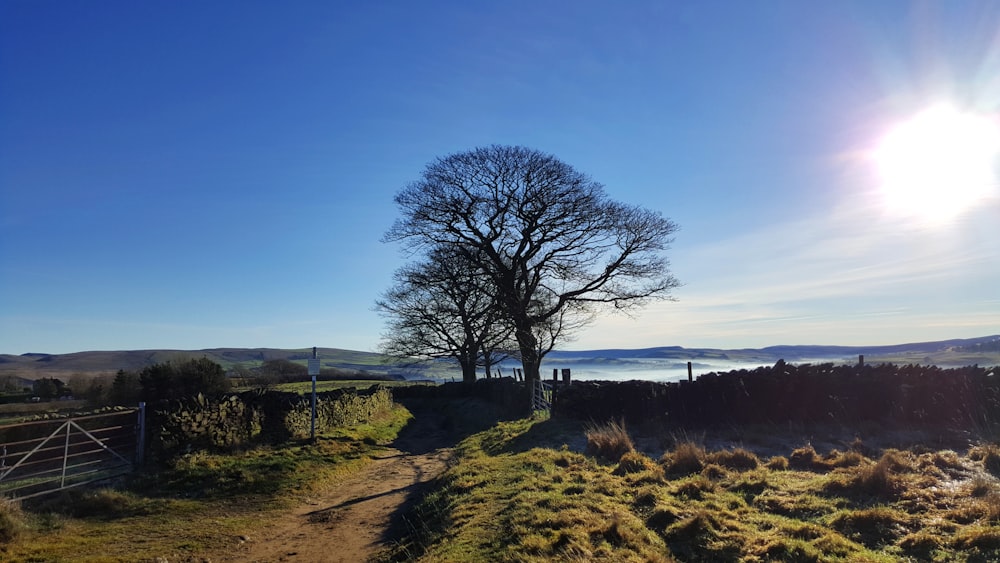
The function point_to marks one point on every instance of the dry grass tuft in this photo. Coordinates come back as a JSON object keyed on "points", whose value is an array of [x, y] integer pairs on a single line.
{"points": [[881, 479], [661, 518], [989, 454], [792, 549], [609, 441], [635, 462], [691, 528], [873, 527], [738, 459], [857, 445], [714, 472], [694, 487], [849, 458], [991, 507], [946, 459], [806, 459], [778, 463], [11, 521], [985, 538], [686, 458], [980, 487], [920, 544]]}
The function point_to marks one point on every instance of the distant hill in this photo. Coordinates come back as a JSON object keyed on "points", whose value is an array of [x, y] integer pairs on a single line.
{"points": [[983, 351], [38, 365], [945, 352]]}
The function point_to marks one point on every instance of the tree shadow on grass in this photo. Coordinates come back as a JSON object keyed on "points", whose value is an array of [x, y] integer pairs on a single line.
{"points": [[443, 422]]}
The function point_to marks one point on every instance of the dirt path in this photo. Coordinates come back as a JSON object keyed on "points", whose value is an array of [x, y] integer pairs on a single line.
{"points": [[353, 521]]}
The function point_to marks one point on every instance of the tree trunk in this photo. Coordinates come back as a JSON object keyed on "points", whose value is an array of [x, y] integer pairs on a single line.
{"points": [[531, 361], [468, 370], [487, 363]]}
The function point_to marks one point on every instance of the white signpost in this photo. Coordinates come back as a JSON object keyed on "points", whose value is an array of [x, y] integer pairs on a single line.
{"points": [[313, 372]]}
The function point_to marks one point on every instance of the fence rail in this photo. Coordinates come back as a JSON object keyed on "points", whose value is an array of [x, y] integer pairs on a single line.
{"points": [[38, 458]]}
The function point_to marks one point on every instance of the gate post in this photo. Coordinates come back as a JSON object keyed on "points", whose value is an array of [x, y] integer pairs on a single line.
{"points": [[140, 447]]}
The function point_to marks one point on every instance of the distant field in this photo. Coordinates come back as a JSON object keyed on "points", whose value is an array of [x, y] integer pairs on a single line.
{"points": [[944, 359], [302, 387], [13, 412]]}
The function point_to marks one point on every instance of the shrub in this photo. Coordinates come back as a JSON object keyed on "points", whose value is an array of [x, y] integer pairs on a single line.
{"points": [[609, 440]]}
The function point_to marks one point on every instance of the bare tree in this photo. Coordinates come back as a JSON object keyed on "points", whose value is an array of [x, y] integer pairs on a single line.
{"points": [[552, 242], [446, 308]]}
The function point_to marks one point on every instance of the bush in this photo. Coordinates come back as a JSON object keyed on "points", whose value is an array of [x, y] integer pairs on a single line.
{"points": [[182, 380], [609, 440]]}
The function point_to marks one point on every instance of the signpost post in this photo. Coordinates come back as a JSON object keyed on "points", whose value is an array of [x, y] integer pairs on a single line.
{"points": [[313, 372]]}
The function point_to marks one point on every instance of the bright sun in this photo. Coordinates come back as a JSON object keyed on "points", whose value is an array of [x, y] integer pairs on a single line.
{"points": [[939, 163]]}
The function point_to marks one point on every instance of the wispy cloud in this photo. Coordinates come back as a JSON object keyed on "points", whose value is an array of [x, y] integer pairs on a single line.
{"points": [[834, 278]]}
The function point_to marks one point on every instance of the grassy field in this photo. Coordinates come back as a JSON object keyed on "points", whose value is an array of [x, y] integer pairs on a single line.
{"points": [[201, 501], [303, 387], [540, 489], [15, 412], [950, 358], [519, 495]]}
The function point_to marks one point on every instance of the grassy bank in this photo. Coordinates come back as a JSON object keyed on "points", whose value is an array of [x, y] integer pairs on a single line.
{"points": [[201, 501], [533, 490]]}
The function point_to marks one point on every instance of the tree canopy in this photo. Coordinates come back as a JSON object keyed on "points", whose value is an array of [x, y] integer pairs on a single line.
{"points": [[550, 241], [443, 307]]}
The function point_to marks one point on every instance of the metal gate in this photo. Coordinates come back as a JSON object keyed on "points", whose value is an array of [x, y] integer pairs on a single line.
{"points": [[542, 396], [38, 458]]}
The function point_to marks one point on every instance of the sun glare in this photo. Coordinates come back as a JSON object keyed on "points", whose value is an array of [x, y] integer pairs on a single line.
{"points": [[939, 163]]}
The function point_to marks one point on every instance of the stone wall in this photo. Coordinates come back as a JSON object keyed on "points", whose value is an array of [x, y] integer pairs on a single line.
{"points": [[256, 416]]}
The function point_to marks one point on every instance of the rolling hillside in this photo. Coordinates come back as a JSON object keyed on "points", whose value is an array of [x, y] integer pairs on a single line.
{"points": [[982, 351], [37, 365], [960, 351]]}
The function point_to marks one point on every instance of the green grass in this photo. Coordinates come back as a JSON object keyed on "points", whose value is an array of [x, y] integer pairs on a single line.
{"points": [[202, 501], [516, 495], [524, 490]]}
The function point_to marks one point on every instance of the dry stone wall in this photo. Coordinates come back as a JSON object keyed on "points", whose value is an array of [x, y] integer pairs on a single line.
{"points": [[256, 416]]}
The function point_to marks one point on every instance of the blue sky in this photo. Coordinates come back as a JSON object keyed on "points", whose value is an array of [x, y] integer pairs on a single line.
{"points": [[203, 174]]}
